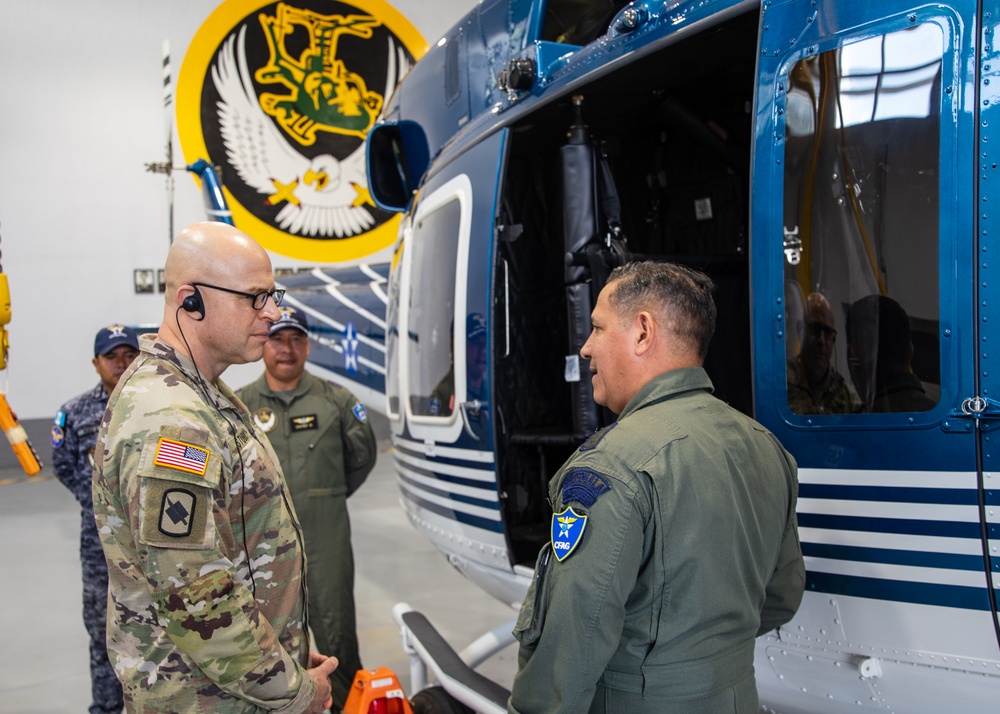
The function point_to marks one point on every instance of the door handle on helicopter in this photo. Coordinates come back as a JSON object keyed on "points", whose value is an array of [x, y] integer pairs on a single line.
{"points": [[471, 408]]}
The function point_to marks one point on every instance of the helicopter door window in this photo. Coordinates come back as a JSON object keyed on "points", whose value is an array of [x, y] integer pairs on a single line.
{"points": [[861, 213], [431, 309]]}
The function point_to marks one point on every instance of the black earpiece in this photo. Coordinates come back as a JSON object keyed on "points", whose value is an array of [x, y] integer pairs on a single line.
{"points": [[194, 303]]}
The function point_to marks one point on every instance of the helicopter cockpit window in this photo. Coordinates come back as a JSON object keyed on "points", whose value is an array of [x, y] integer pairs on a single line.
{"points": [[431, 308], [861, 176]]}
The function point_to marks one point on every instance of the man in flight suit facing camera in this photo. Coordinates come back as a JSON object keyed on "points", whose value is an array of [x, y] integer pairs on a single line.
{"points": [[326, 446]]}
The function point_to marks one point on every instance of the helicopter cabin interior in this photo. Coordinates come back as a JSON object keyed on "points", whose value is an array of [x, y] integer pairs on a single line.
{"points": [[652, 160]]}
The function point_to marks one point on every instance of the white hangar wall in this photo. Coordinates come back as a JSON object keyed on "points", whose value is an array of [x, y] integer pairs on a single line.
{"points": [[80, 114]]}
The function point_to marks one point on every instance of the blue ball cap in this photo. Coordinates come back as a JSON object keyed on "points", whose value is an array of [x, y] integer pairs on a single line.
{"points": [[113, 336], [475, 326], [290, 317]]}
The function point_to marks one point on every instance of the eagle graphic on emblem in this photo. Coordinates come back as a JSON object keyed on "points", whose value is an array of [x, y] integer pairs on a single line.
{"points": [[265, 419], [323, 196]]}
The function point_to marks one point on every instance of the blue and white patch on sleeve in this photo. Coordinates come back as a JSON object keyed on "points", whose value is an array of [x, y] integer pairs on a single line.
{"points": [[567, 529], [583, 486], [359, 412]]}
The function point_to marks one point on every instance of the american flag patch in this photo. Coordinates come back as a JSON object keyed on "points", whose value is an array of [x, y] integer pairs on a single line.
{"points": [[178, 455]]}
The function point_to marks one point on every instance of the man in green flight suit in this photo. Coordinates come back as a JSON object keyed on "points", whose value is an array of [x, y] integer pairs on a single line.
{"points": [[674, 539], [326, 447]]}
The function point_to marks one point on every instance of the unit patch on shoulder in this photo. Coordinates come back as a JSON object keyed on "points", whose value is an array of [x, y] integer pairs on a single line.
{"points": [[57, 436], [596, 437], [307, 421], [359, 412], [567, 529], [180, 455], [583, 486], [177, 512]]}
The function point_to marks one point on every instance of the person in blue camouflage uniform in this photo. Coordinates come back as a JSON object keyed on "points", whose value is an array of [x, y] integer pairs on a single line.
{"points": [[207, 573], [74, 434], [674, 540]]}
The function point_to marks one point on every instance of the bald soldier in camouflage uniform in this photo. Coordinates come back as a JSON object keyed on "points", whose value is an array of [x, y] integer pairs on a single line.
{"points": [[674, 540], [207, 605], [74, 434]]}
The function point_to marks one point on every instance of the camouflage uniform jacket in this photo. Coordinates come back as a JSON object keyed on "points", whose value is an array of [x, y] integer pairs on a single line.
{"points": [[832, 396], [674, 544], [184, 491]]}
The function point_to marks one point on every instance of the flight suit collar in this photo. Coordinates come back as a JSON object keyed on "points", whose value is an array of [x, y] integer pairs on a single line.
{"points": [[306, 385], [668, 385]]}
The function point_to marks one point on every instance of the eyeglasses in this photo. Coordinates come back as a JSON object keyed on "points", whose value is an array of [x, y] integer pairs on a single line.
{"points": [[818, 328], [259, 300]]}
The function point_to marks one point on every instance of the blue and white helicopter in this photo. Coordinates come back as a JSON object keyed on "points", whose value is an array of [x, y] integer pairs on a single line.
{"points": [[788, 148]]}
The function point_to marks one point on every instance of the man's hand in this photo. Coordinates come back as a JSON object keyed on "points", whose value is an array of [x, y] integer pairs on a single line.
{"points": [[322, 668]]}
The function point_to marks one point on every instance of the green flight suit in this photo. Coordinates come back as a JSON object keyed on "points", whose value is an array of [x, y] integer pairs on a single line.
{"points": [[681, 547], [206, 604], [326, 447]]}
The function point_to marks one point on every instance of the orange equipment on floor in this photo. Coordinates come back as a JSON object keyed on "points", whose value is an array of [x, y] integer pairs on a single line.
{"points": [[376, 691]]}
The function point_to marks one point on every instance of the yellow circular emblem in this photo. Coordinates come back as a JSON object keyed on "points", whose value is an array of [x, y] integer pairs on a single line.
{"points": [[281, 95], [266, 419]]}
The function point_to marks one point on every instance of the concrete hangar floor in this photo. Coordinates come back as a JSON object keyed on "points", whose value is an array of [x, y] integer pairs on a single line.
{"points": [[44, 661]]}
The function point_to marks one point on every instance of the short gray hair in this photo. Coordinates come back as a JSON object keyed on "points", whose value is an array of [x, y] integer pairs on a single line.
{"points": [[681, 295]]}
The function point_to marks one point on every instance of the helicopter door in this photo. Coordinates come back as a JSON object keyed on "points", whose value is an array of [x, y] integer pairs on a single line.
{"points": [[864, 335], [436, 249], [445, 293], [440, 331], [984, 405]]}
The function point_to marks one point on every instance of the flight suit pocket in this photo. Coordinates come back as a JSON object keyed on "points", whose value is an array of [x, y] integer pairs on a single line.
{"points": [[531, 619]]}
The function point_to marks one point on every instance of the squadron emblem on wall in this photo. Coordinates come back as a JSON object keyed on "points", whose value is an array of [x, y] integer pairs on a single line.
{"points": [[282, 99]]}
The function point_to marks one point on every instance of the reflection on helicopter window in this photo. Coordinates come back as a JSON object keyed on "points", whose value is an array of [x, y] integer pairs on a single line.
{"points": [[861, 225], [431, 305], [880, 355]]}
